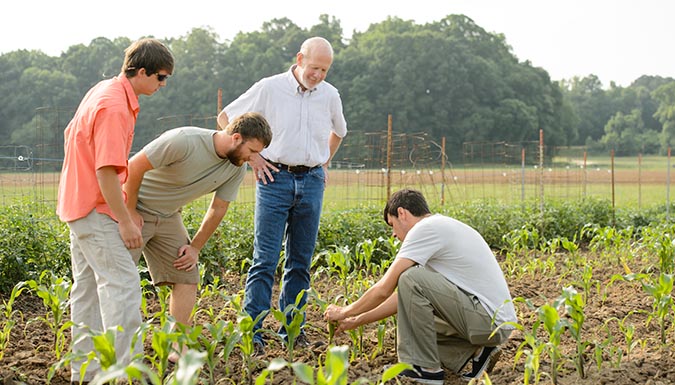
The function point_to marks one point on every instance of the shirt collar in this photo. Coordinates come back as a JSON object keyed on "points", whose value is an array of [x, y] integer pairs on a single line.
{"points": [[132, 98], [296, 84]]}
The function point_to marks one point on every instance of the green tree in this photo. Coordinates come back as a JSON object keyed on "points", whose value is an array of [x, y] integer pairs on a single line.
{"points": [[625, 133], [665, 113]]}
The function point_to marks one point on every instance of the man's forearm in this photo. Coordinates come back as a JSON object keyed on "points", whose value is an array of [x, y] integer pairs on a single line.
{"points": [[214, 215], [386, 309]]}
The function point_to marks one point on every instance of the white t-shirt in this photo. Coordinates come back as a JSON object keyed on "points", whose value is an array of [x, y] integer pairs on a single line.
{"points": [[301, 122], [459, 253]]}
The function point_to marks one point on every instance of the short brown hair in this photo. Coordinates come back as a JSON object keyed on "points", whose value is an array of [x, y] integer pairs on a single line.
{"points": [[411, 200], [251, 125], [147, 53]]}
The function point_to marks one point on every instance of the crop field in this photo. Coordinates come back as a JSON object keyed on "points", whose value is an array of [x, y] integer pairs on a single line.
{"points": [[594, 301], [594, 306]]}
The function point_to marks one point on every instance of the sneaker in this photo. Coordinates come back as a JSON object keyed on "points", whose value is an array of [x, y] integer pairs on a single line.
{"points": [[484, 363], [258, 349], [421, 376]]}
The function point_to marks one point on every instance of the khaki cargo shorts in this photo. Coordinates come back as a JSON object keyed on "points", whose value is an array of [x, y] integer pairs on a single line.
{"points": [[162, 237]]}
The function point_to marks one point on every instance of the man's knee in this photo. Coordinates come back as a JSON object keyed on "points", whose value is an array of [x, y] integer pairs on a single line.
{"points": [[409, 278]]}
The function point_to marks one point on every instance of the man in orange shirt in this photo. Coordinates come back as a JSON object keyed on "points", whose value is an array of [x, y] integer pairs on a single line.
{"points": [[106, 287]]}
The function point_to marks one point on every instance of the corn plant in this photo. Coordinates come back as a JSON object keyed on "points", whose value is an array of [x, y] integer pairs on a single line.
{"points": [[340, 260], [8, 314], [364, 253], [334, 371], [660, 288], [574, 305], [661, 291], [587, 282], [163, 292], [291, 319], [147, 289], [532, 346], [187, 372], [55, 293], [245, 324], [381, 332], [356, 336], [332, 325], [628, 332], [608, 345], [609, 241], [103, 352], [222, 332], [274, 366], [484, 379], [522, 240], [659, 242], [554, 327], [163, 341]]}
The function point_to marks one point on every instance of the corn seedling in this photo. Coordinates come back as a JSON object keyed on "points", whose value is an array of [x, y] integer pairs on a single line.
{"points": [[381, 332], [334, 371], [484, 379], [222, 332], [628, 332], [291, 319], [659, 242], [8, 314], [340, 261], [54, 293], [364, 253], [660, 288], [163, 341], [274, 366], [587, 281], [609, 241], [188, 368], [245, 325], [103, 352], [574, 305], [332, 325], [554, 327], [532, 346]]}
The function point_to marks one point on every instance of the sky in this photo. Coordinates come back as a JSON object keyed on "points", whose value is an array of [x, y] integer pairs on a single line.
{"points": [[616, 40]]}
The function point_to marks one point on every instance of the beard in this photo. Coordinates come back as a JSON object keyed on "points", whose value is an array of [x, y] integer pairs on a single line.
{"points": [[235, 155]]}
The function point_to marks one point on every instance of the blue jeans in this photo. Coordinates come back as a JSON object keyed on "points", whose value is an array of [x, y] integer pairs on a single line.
{"points": [[287, 209]]}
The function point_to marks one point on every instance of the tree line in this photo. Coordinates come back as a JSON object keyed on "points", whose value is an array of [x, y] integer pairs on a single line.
{"points": [[449, 78]]}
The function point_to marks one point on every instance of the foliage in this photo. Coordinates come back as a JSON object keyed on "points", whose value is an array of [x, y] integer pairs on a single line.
{"points": [[30, 244], [557, 220], [450, 78], [55, 294]]}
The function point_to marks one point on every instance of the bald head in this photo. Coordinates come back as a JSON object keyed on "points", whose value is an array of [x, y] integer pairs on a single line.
{"points": [[316, 46], [313, 62]]}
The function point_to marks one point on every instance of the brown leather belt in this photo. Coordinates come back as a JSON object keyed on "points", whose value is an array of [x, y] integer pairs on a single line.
{"points": [[293, 169]]}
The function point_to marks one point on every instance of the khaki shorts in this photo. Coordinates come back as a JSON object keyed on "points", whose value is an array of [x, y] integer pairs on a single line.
{"points": [[162, 237]]}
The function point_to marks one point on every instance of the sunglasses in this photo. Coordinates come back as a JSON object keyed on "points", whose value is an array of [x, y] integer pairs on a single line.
{"points": [[162, 78]]}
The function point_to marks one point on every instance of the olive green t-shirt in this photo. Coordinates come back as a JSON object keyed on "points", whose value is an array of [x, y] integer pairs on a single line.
{"points": [[185, 167]]}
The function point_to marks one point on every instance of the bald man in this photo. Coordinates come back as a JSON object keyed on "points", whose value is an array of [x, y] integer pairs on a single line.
{"points": [[305, 114]]}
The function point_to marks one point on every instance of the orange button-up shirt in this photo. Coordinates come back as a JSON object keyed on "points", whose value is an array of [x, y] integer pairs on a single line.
{"points": [[100, 134]]}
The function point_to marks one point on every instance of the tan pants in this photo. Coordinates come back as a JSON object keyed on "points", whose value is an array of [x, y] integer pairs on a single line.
{"points": [[106, 289], [438, 323]]}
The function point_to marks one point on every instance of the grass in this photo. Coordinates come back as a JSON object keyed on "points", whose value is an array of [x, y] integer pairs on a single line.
{"points": [[636, 184]]}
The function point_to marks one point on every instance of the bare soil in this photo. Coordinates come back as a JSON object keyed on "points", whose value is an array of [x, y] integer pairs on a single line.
{"points": [[28, 357]]}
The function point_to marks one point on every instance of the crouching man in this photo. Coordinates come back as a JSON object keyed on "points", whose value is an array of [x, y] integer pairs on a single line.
{"points": [[451, 294]]}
